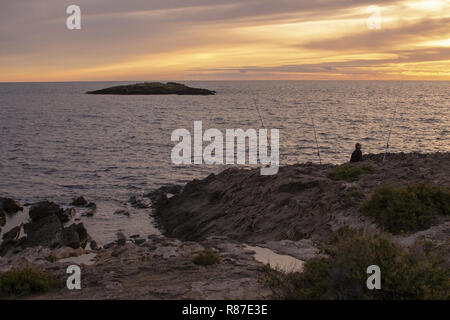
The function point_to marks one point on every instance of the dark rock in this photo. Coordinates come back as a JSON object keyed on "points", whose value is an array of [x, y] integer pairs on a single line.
{"points": [[79, 202], [121, 239], [90, 213], [71, 238], [109, 245], [91, 205], [12, 234], [10, 206], [94, 245], [12, 246], [153, 88], [136, 203], [46, 231], [135, 236], [92, 209], [161, 193], [67, 214], [138, 241], [122, 212], [2, 218], [44, 209], [75, 236]]}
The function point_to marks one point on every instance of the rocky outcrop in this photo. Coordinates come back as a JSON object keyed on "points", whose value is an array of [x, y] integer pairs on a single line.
{"points": [[79, 202], [12, 234], [300, 202], [46, 228], [75, 236], [148, 88], [2, 218], [137, 203], [9, 206]]}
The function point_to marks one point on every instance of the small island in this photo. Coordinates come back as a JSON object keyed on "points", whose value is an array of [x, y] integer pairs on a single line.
{"points": [[153, 88]]}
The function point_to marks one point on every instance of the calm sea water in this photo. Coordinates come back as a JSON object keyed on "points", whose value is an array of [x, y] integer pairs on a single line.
{"points": [[57, 142]]}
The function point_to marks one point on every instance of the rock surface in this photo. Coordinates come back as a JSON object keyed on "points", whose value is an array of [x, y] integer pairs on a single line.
{"points": [[300, 202], [161, 268], [9, 206], [147, 88], [45, 228]]}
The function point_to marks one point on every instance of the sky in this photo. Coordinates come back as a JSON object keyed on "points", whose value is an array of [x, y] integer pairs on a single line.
{"points": [[225, 40]]}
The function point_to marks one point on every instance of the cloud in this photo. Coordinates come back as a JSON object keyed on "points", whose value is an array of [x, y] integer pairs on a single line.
{"points": [[140, 38], [385, 38]]}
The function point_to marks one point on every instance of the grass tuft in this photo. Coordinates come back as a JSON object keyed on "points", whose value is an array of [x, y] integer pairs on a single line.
{"points": [[350, 173], [26, 281], [206, 258]]}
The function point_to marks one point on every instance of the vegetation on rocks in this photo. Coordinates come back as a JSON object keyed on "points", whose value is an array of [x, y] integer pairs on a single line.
{"points": [[24, 282], [418, 273], [206, 258], [350, 173], [411, 208]]}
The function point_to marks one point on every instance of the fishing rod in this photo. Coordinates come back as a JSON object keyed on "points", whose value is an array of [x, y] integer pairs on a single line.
{"points": [[315, 137], [260, 117], [390, 131]]}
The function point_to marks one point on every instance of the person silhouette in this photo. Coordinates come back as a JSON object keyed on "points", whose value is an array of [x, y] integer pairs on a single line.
{"points": [[357, 154]]}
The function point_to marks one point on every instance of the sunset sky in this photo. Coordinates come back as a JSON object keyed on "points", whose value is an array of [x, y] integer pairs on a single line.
{"points": [[224, 39]]}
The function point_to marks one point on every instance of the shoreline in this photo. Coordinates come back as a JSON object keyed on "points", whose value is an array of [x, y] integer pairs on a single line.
{"points": [[293, 213]]}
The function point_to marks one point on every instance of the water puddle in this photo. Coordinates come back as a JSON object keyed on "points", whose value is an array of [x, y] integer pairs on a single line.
{"points": [[276, 261]]}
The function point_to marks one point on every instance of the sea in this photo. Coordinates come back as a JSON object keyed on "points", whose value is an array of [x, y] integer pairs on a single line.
{"points": [[57, 142]]}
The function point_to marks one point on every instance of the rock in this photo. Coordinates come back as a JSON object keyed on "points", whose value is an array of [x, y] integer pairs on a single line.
{"points": [[109, 245], [137, 203], [94, 245], [47, 231], [2, 218], [44, 209], [71, 238], [12, 246], [121, 239], [93, 209], [90, 213], [12, 234], [122, 212], [79, 202], [10, 206], [161, 193], [67, 214], [75, 236], [138, 241], [147, 88], [135, 236]]}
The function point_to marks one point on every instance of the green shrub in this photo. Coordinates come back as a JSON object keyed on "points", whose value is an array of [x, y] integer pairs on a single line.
{"points": [[206, 258], [24, 282], [350, 173], [419, 273], [411, 208]]}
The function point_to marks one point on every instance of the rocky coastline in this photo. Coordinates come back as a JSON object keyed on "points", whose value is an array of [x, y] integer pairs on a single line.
{"points": [[293, 213]]}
